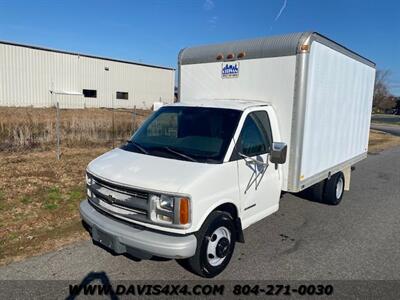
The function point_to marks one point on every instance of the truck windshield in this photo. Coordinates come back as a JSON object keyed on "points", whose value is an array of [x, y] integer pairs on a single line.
{"points": [[198, 134]]}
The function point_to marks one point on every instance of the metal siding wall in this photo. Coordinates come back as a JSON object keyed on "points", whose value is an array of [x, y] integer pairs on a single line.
{"points": [[26, 76], [23, 77], [338, 110]]}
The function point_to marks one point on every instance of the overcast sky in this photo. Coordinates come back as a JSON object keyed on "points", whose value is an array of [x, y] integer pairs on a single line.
{"points": [[153, 31]]}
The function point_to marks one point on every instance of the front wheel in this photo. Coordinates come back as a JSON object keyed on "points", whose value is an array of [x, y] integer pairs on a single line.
{"points": [[215, 246]]}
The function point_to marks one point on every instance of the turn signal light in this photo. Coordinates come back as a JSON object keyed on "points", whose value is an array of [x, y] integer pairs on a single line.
{"points": [[184, 211]]}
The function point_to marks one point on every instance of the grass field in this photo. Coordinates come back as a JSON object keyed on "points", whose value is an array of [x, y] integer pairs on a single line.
{"points": [[39, 196], [35, 128]]}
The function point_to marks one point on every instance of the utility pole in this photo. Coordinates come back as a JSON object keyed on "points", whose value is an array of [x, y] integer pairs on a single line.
{"points": [[134, 118], [58, 133], [58, 120], [113, 122]]}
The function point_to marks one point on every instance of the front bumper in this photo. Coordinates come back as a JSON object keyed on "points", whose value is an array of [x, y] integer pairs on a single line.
{"points": [[122, 238]]}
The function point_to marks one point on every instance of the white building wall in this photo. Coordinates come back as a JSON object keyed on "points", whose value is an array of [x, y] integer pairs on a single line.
{"points": [[27, 75]]}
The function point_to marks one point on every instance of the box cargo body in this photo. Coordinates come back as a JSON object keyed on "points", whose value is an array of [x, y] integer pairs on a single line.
{"points": [[321, 93], [256, 117]]}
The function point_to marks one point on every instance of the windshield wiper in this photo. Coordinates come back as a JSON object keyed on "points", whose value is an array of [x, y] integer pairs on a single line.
{"points": [[137, 146], [180, 154]]}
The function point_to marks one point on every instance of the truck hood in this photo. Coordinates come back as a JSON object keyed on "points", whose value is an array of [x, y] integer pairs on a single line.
{"points": [[146, 171]]}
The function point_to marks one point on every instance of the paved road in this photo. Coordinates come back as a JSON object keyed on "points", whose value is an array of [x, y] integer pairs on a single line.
{"points": [[392, 129], [386, 123], [359, 239], [386, 118]]}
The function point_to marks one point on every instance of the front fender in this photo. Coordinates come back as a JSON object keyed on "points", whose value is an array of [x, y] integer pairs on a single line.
{"points": [[216, 186], [204, 216]]}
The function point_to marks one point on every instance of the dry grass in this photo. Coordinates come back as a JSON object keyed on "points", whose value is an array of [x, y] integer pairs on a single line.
{"points": [[379, 141], [39, 195], [35, 128], [39, 198]]}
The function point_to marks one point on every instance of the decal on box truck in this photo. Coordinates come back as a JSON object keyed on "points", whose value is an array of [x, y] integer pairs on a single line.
{"points": [[230, 70]]}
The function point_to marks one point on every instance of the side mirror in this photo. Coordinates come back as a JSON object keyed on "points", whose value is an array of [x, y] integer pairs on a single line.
{"points": [[278, 153]]}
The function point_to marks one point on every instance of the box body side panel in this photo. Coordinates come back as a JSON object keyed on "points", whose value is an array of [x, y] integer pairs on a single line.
{"points": [[337, 113]]}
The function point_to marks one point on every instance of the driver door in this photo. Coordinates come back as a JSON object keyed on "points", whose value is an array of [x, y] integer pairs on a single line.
{"points": [[259, 185]]}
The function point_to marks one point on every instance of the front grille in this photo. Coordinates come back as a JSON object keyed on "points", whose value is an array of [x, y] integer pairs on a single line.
{"points": [[118, 200]]}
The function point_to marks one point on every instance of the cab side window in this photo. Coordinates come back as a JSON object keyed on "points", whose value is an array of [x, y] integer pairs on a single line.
{"points": [[255, 137]]}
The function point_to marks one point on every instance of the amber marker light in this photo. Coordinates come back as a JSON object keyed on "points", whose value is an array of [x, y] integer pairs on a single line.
{"points": [[304, 47], [241, 55], [230, 56], [184, 211]]}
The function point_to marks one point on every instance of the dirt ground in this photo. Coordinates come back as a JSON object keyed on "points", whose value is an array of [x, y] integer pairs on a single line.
{"points": [[39, 197], [379, 141]]}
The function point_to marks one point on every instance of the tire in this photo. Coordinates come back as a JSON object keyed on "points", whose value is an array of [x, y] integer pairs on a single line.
{"points": [[215, 245], [334, 189]]}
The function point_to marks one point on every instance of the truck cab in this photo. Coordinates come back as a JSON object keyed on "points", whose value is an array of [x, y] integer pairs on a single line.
{"points": [[187, 183]]}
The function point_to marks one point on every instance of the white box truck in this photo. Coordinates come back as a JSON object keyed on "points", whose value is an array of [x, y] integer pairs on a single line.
{"points": [[255, 118]]}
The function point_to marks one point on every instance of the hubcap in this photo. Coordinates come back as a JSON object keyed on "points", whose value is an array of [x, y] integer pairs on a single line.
{"points": [[222, 247], [339, 188], [218, 246]]}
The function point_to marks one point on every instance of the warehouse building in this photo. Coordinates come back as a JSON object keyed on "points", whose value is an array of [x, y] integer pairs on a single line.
{"points": [[40, 77]]}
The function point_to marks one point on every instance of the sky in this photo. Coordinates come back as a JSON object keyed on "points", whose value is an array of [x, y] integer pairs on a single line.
{"points": [[153, 31]]}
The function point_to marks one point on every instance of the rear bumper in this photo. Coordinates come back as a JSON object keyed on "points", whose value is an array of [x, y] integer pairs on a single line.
{"points": [[122, 238]]}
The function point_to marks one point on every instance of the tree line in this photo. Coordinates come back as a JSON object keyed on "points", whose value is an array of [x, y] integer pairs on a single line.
{"points": [[383, 98]]}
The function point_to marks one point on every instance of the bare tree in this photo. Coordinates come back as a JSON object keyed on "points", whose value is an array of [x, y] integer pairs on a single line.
{"points": [[383, 99]]}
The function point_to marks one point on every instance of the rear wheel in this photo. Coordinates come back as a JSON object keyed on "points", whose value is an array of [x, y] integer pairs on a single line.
{"points": [[334, 189], [215, 246]]}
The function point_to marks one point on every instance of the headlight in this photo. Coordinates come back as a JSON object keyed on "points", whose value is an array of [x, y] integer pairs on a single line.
{"points": [[89, 193], [172, 210], [89, 180], [167, 202]]}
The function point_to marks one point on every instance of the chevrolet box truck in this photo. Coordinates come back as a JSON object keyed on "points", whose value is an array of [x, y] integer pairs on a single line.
{"points": [[254, 118]]}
